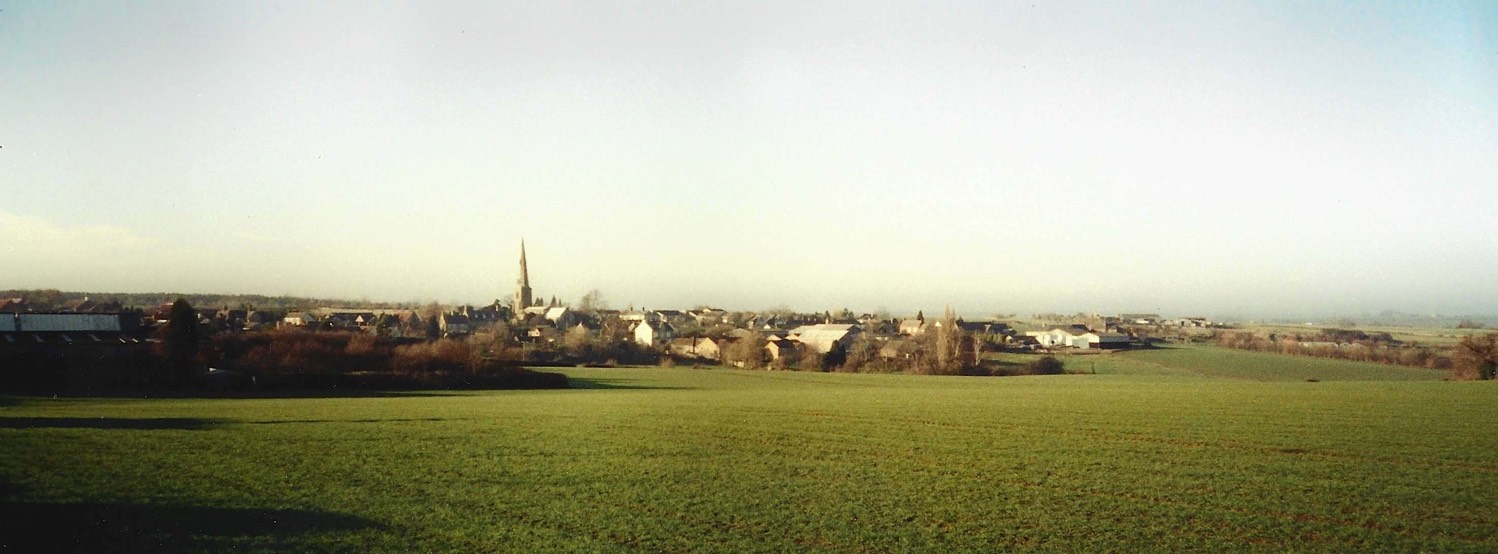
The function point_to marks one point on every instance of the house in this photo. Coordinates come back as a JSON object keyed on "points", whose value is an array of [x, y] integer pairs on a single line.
{"points": [[562, 317], [912, 327], [487, 314], [653, 333], [782, 349], [78, 306], [299, 319], [350, 319], [822, 337], [708, 317], [695, 347], [454, 324], [671, 316]]}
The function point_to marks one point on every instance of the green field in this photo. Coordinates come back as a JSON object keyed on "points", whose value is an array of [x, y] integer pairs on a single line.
{"points": [[1217, 362], [691, 460], [1428, 336]]}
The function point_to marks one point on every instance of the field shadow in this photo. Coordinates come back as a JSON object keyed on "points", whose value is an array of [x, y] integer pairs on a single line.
{"points": [[386, 420], [140, 424], [1155, 347], [120, 527], [276, 393], [596, 383]]}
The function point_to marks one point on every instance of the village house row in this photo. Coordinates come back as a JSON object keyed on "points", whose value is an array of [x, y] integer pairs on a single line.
{"points": [[693, 334]]}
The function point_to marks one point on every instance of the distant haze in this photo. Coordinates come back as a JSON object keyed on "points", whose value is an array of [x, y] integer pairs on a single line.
{"points": [[1184, 158]]}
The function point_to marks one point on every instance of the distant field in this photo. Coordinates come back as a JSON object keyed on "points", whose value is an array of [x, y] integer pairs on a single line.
{"points": [[1227, 363], [688, 460], [1428, 336]]}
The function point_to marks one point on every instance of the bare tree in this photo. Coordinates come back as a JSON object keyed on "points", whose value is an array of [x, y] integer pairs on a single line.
{"points": [[592, 302]]}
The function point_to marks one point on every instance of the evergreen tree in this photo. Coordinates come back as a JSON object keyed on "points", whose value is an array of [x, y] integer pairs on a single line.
{"points": [[835, 356], [181, 340], [948, 344]]}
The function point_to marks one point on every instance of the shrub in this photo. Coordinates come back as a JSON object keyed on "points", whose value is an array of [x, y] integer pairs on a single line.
{"points": [[1477, 357], [1046, 365]]}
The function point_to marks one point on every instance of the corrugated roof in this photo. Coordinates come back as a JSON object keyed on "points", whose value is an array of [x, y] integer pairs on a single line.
{"points": [[821, 337], [69, 322]]}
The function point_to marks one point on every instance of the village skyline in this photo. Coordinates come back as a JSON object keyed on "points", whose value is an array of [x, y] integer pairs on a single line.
{"points": [[1247, 160], [523, 296]]}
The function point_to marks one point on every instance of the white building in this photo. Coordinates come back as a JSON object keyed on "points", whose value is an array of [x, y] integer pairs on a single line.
{"points": [[1072, 337], [653, 333], [822, 337]]}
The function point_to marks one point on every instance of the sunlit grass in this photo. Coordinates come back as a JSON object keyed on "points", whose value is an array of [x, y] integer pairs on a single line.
{"points": [[689, 460]]}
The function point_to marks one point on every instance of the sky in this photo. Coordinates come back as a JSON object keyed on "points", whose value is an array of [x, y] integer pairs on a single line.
{"points": [[1189, 158]]}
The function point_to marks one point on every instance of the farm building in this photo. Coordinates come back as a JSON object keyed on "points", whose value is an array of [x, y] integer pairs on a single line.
{"points": [[695, 347], [820, 338], [1078, 337], [69, 350]]}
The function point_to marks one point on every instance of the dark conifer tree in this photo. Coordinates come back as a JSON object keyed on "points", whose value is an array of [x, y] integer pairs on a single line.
{"points": [[181, 340]]}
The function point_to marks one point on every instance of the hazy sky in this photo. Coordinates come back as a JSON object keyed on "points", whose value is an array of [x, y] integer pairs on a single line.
{"points": [[1184, 157]]}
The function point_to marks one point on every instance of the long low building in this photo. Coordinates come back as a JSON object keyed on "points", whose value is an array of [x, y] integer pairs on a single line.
{"points": [[822, 337], [44, 323], [1076, 337], [63, 351]]}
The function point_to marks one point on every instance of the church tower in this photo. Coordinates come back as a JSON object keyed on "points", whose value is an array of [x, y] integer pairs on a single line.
{"points": [[523, 291]]}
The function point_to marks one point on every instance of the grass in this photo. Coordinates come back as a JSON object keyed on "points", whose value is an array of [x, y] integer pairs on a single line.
{"points": [[689, 460], [1428, 336], [1226, 363]]}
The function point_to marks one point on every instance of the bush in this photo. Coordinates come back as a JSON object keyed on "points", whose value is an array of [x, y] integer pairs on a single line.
{"points": [[1477, 357], [1046, 365], [301, 359]]}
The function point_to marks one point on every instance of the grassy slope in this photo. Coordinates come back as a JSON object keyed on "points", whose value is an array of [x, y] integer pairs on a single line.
{"points": [[1212, 361], [680, 459], [1217, 362]]}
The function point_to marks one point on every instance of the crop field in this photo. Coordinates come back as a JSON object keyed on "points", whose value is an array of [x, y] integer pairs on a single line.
{"points": [[1218, 362], [1227, 363], [1429, 336], [652, 459]]}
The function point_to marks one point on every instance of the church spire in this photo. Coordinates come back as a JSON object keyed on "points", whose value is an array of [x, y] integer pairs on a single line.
{"points": [[525, 278], [523, 288]]}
